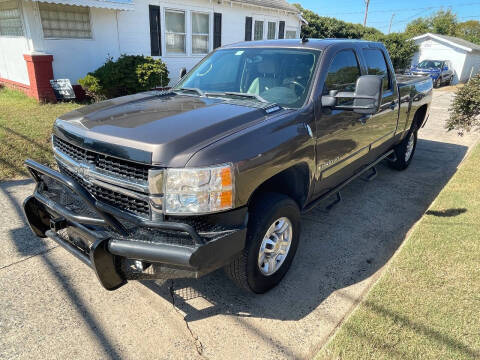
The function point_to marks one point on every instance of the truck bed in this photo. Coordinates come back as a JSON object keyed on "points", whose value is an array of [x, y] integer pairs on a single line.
{"points": [[403, 80], [414, 92]]}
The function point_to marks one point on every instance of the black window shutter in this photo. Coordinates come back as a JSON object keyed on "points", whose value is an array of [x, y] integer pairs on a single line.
{"points": [[248, 28], [155, 35], [281, 30], [217, 30]]}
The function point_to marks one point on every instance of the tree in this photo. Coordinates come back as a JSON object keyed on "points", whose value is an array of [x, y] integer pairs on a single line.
{"points": [[417, 27], [469, 30], [326, 27], [443, 22], [400, 48], [465, 108]]}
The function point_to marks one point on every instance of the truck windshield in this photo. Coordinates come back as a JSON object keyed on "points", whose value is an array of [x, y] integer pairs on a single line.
{"points": [[429, 64], [281, 76]]}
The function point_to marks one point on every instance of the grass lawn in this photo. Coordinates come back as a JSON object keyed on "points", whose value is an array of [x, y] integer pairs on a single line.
{"points": [[25, 129], [427, 303]]}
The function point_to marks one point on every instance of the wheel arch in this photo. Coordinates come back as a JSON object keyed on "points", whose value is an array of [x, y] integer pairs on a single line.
{"points": [[419, 117], [293, 182]]}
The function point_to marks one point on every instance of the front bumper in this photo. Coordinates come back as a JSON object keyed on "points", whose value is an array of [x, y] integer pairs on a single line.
{"points": [[119, 246]]}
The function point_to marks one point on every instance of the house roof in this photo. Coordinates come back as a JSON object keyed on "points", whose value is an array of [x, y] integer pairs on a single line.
{"points": [[455, 41], [128, 4], [276, 4], [106, 4]]}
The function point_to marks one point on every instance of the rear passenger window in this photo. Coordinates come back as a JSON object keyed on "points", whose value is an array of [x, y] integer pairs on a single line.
{"points": [[343, 72], [377, 66]]}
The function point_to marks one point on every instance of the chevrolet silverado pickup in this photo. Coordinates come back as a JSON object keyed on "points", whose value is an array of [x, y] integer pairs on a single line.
{"points": [[216, 172]]}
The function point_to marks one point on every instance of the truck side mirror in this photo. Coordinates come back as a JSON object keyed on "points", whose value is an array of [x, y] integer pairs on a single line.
{"points": [[183, 72], [368, 93], [367, 97]]}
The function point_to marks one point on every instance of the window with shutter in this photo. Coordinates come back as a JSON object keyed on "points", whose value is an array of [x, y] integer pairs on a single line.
{"points": [[200, 33], [155, 37], [248, 28], [272, 27], [291, 34], [175, 32], [258, 33]]}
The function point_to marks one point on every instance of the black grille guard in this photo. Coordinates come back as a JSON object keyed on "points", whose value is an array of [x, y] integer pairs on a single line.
{"points": [[106, 212], [103, 250]]}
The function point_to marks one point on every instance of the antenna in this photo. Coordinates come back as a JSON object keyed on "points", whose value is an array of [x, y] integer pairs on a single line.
{"points": [[304, 38]]}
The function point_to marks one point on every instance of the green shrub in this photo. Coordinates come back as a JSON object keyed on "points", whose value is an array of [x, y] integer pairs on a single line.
{"points": [[92, 87], [465, 108], [129, 74]]}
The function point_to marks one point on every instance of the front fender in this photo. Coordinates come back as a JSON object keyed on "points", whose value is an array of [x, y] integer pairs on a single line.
{"points": [[262, 151]]}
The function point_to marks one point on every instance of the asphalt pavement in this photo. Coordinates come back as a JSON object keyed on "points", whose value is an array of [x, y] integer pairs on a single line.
{"points": [[51, 305]]}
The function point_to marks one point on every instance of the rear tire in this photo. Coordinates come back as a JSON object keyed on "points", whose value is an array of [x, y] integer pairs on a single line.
{"points": [[251, 270], [405, 150]]}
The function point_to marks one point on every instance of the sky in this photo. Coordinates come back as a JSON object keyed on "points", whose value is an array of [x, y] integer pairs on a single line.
{"points": [[381, 11]]}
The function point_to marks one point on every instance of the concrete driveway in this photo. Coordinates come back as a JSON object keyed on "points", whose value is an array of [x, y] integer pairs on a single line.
{"points": [[51, 305]]}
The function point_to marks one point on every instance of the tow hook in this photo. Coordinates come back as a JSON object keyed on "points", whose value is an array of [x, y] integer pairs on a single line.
{"points": [[58, 224]]}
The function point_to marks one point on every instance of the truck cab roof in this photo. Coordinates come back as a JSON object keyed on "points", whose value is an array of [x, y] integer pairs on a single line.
{"points": [[318, 44]]}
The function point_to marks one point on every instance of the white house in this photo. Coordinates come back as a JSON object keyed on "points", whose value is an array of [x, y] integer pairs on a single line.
{"points": [[45, 39], [464, 55]]}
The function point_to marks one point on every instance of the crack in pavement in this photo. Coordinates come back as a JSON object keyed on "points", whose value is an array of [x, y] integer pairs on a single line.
{"points": [[198, 343], [28, 257]]}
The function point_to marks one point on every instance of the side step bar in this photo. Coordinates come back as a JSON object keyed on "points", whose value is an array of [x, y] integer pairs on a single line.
{"points": [[336, 190], [372, 176]]}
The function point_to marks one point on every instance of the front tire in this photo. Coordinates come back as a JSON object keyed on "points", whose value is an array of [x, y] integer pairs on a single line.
{"points": [[405, 150], [272, 240]]}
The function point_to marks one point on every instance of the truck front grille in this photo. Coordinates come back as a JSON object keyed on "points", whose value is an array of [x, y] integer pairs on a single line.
{"points": [[116, 167], [110, 197]]}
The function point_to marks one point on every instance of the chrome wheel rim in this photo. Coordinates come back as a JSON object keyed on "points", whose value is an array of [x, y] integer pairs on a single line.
{"points": [[410, 145], [275, 246]]}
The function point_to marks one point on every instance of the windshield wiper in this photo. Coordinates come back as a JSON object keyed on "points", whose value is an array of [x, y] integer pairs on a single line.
{"points": [[195, 90], [247, 95], [237, 94]]}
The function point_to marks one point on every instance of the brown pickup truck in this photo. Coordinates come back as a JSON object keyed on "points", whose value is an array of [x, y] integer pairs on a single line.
{"points": [[217, 171]]}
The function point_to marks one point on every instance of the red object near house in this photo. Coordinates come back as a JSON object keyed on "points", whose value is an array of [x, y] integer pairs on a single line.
{"points": [[40, 72]]}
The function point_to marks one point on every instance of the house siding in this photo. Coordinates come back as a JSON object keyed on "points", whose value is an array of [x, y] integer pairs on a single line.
{"points": [[472, 65], [116, 32], [134, 35], [74, 58], [12, 49], [12, 64]]}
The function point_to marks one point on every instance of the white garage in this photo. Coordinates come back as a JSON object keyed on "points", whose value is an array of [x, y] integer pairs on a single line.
{"points": [[464, 55]]}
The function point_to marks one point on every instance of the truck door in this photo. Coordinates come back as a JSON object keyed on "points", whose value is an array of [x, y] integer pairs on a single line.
{"points": [[343, 137], [382, 126]]}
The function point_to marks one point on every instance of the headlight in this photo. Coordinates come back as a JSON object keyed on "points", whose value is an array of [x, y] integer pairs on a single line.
{"points": [[198, 190]]}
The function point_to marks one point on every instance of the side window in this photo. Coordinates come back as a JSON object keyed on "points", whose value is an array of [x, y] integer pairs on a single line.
{"points": [[377, 66], [343, 72]]}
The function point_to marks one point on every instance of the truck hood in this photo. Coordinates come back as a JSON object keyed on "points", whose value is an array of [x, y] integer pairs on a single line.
{"points": [[164, 129]]}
